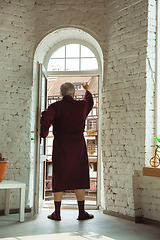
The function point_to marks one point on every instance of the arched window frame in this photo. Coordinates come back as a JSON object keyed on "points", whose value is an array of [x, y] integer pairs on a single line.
{"points": [[73, 73], [98, 73], [43, 51]]}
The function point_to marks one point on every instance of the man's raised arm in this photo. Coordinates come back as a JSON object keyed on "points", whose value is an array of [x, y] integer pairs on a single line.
{"points": [[88, 96]]}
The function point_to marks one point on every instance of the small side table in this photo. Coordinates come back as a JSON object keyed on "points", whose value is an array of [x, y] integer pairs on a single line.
{"points": [[8, 184]]}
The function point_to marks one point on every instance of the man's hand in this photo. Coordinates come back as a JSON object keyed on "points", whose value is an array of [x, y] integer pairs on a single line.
{"points": [[85, 86]]}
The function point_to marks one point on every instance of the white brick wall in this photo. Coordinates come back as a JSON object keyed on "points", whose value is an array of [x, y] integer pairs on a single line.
{"points": [[121, 28], [16, 47], [150, 185], [127, 133], [150, 80], [125, 108]]}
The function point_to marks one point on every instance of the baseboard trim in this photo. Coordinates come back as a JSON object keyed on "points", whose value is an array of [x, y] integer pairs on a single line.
{"points": [[13, 211], [133, 219], [119, 215], [150, 222]]}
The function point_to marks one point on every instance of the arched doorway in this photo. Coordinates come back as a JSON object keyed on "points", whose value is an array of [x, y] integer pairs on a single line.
{"points": [[43, 52]]}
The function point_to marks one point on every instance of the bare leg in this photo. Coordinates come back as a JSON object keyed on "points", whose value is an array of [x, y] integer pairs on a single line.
{"points": [[80, 194], [58, 196]]}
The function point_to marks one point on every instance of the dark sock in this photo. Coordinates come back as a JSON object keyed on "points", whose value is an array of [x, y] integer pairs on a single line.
{"points": [[81, 208], [83, 215], [57, 209]]}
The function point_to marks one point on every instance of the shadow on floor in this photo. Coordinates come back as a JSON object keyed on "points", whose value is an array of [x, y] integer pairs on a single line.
{"points": [[103, 227]]}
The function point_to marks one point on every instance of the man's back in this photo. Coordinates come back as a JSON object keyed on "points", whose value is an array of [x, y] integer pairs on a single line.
{"points": [[67, 116], [70, 116]]}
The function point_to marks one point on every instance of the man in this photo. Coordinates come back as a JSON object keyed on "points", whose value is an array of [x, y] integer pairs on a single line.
{"points": [[69, 159]]}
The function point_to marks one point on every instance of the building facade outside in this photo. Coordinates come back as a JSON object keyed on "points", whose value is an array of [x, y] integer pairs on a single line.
{"points": [[90, 133]]}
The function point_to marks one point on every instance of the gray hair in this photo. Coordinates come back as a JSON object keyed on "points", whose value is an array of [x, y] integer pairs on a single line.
{"points": [[67, 88]]}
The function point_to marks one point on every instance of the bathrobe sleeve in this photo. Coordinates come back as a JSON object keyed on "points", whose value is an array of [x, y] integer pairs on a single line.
{"points": [[47, 119]]}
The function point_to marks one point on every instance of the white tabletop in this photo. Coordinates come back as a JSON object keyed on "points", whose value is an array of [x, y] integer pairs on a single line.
{"points": [[11, 184]]}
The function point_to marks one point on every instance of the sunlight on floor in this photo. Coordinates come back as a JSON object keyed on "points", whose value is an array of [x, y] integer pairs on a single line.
{"points": [[66, 236]]}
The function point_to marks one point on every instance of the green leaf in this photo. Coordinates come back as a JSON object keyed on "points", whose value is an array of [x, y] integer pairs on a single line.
{"points": [[158, 139], [157, 146]]}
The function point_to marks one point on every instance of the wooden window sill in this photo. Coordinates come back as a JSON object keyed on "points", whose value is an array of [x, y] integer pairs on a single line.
{"points": [[151, 172]]}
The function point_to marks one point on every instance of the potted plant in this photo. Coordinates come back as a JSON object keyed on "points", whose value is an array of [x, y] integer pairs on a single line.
{"points": [[155, 161], [91, 132], [158, 139], [91, 151], [3, 167]]}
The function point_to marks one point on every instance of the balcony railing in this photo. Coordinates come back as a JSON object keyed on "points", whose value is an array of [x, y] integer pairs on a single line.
{"points": [[90, 194]]}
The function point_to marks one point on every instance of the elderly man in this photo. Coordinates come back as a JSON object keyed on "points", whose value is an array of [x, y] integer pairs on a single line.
{"points": [[69, 158]]}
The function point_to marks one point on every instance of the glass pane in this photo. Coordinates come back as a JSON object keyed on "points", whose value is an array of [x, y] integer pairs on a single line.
{"points": [[94, 111], [72, 64], [89, 63], [49, 141], [43, 97], [56, 65], [72, 50], [86, 52], [49, 151], [59, 53]]}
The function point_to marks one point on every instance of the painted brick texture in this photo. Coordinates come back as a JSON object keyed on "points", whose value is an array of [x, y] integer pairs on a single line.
{"points": [[16, 48], [124, 106], [128, 93], [89, 15], [149, 185]]}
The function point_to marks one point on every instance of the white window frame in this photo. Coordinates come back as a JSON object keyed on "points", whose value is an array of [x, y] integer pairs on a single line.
{"points": [[80, 73], [157, 110], [79, 57]]}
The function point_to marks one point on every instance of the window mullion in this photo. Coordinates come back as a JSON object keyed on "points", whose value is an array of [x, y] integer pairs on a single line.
{"points": [[79, 57], [69, 61], [65, 59]]}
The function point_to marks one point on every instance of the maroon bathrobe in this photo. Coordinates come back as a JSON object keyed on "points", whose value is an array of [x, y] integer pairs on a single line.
{"points": [[69, 158]]}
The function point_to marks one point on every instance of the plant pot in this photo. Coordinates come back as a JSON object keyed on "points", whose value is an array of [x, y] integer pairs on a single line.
{"points": [[49, 184], [3, 167]]}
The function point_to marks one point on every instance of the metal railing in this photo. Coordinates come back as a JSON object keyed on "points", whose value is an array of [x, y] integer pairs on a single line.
{"points": [[90, 194]]}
